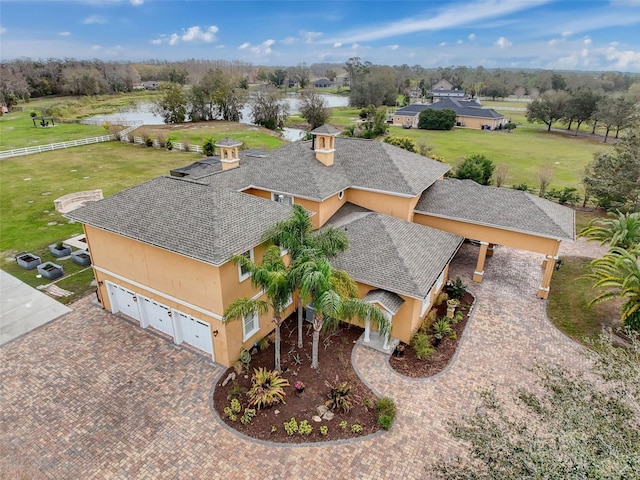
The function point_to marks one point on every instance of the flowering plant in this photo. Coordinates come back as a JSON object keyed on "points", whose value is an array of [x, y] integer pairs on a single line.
{"points": [[299, 385]]}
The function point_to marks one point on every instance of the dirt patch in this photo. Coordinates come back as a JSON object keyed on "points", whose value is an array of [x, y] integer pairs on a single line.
{"points": [[412, 366], [334, 362]]}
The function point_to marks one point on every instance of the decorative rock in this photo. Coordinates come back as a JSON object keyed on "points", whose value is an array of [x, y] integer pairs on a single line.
{"points": [[51, 224], [230, 377], [322, 410], [276, 412], [316, 419], [328, 416]]}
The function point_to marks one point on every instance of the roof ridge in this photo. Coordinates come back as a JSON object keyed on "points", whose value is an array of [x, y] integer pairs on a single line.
{"points": [[537, 201], [386, 220]]}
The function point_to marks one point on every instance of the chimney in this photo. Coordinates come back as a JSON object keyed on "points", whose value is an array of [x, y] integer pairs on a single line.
{"points": [[229, 152], [324, 144]]}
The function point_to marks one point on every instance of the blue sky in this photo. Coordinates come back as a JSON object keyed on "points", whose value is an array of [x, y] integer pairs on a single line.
{"points": [[563, 35]]}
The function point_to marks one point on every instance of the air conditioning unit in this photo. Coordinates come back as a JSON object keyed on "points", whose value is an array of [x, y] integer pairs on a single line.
{"points": [[309, 312]]}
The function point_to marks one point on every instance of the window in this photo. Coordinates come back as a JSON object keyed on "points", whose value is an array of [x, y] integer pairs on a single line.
{"points": [[426, 303], [283, 199], [340, 194], [243, 274], [250, 325], [439, 282]]}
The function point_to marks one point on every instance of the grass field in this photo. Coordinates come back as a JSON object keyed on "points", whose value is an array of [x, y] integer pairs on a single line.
{"points": [[17, 131], [525, 151], [568, 307]]}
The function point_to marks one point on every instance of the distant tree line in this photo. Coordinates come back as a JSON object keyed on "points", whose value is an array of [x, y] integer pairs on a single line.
{"points": [[370, 84]]}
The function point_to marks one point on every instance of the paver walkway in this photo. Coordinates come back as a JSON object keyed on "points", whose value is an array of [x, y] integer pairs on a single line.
{"points": [[92, 396]]}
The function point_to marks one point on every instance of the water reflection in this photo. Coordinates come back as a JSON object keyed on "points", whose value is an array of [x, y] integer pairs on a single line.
{"points": [[144, 111]]}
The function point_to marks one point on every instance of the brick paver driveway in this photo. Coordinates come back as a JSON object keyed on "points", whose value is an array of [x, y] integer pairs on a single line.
{"points": [[92, 396]]}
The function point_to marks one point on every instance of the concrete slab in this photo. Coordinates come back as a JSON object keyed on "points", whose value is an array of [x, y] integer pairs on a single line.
{"points": [[23, 308]]}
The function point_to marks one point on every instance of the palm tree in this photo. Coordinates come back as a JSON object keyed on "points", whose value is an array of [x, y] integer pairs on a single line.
{"points": [[296, 235], [618, 274], [273, 277], [623, 230], [334, 297]]}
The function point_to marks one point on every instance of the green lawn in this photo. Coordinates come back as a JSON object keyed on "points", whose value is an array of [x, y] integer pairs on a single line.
{"points": [[31, 183], [524, 151], [17, 131], [252, 136], [568, 306]]}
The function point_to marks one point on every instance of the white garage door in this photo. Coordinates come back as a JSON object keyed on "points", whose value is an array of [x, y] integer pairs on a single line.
{"points": [[123, 300], [195, 332], [157, 316]]}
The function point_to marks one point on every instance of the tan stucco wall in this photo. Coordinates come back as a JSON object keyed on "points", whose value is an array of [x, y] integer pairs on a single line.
{"points": [[532, 243], [205, 286], [475, 122], [399, 207]]}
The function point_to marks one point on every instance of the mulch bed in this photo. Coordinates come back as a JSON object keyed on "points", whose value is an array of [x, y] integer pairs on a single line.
{"points": [[334, 361], [411, 366]]}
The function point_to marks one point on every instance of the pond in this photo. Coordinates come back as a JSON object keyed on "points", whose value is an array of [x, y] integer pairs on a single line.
{"points": [[143, 112]]}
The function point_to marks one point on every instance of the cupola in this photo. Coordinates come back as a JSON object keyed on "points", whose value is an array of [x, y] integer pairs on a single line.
{"points": [[324, 143], [229, 152]]}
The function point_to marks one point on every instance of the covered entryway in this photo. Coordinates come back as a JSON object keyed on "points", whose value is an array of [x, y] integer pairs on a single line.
{"points": [[389, 304], [123, 300], [194, 332], [156, 315]]}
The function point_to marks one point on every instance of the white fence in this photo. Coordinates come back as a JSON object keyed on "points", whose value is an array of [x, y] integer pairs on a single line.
{"points": [[17, 152]]}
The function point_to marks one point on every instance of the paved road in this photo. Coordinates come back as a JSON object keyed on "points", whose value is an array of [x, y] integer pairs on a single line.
{"points": [[23, 308], [92, 396]]}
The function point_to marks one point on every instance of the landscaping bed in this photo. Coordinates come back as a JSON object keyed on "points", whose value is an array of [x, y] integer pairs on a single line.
{"points": [[334, 363], [410, 365]]}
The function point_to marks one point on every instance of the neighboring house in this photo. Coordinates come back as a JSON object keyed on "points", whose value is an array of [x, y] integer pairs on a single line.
{"points": [[442, 85], [444, 89], [151, 85], [161, 251], [323, 83], [342, 80], [414, 92], [469, 113]]}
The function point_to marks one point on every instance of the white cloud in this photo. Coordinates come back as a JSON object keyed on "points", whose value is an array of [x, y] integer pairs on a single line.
{"points": [[448, 17], [566, 33], [96, 48], [64, 34], [552, 42], [309, 37], [93, 19], [261, 49], [355, 46], [623, 59], [136, 3], [503, 43], [337, 45], [442, 44], [586, 41], [264, 47], [472, 36], [393, 47], [459, 41], [2, 30], [191, 35], [288, 41]]}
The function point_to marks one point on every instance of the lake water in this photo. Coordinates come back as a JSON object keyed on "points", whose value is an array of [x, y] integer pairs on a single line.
{"points": [[144, 112]]}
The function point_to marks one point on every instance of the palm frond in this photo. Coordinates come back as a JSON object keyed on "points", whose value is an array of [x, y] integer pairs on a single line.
{"points": [[244, 307]]}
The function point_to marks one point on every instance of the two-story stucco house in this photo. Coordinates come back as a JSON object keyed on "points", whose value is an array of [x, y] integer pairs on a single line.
{"points": [[161, 250]]}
